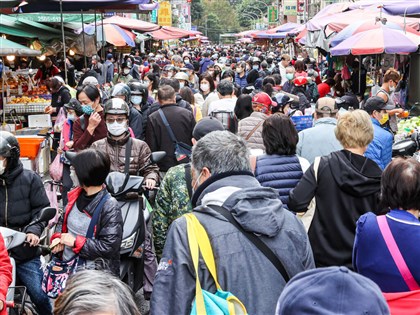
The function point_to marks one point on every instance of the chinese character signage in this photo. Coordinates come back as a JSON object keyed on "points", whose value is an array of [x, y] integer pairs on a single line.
{"points": [[290, 7], [153, 18], [165, 14], [272, 14]]}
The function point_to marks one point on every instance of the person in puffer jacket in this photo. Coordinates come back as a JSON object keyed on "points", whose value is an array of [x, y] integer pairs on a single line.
{"points": [[103, 251], [250, 128], [380, 149], [280, 168]]}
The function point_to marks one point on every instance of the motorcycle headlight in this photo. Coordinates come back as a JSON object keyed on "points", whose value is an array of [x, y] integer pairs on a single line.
{"points": [[129, 241]]}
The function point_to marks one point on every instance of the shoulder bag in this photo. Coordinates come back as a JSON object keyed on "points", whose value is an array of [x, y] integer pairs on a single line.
{"points": [[57, 271], [182, 151], [205, 302]]}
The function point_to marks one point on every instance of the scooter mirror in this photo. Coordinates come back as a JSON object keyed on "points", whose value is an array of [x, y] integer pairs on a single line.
{"points": [[157, 156], [70, 155], [45, 215]]}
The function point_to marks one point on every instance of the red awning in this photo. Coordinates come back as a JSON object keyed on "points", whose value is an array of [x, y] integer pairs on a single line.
{"points": [[170, 32], [132, 24]]}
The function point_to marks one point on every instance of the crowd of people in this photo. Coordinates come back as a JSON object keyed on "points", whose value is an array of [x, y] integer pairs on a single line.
{"points": [[223, 116]]}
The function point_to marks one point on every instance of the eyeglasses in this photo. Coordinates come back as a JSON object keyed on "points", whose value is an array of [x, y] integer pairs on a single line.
{"points": [[119, 120]]}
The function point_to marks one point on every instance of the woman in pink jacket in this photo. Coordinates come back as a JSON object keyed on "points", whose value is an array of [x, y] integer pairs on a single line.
{"points": [[5, 275]]}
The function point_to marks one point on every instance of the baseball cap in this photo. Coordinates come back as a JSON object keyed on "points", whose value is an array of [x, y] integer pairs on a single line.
{"points": [[109, 56], [331, 290], [75, 105], [188, 66], [264, 99], [376, 103], [90, 80], [205, 126], [326, 105]]}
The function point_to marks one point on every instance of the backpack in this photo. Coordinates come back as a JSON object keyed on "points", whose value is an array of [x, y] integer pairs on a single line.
{"points": [[227, 118]]}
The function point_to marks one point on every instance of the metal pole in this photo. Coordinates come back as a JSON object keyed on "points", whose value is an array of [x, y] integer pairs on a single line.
{"points": [[96, 33], [84, 44], [103, 35], [64, 42], [360, 75]]}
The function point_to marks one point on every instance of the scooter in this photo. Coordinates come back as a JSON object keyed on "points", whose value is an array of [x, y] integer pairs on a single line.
{"points": [[129, 192], [17, 300], [408, 146]]}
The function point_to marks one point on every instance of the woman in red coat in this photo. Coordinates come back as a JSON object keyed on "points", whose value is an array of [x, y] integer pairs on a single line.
{"points": [[5, 275]]}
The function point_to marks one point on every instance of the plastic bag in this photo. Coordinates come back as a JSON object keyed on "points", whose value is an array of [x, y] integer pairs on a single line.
{"points": [[61, 118], [345, 73], [56, 168]]}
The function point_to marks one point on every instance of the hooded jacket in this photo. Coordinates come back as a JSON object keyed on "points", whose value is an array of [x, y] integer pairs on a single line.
{"points": [[348, 186], [22, 196], [241, 268], [245, 127]]}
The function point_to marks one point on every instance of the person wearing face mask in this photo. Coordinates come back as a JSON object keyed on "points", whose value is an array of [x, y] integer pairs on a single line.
{"points": [[391, 79], [140, 101], [192, 77], [311, 87], [124, 76], [183, 79], [208, 92], [380, 149], [91, 126], [23, 196], [74, 110], [221, 177], [174, 196], [168, 71], [240, 78], [290, 75], [284, 63]]}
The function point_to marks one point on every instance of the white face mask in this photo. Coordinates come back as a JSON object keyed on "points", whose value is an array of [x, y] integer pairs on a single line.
{"points": [[392, 89], [117, 129], [196, 183], [186, 61], [71, 117], [170, 74], [204, 87], [181, 85], [239, 70], [126, 71], [136, 99], [2, 167]]}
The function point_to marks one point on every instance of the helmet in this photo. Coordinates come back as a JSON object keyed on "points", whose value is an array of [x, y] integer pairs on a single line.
{"points": [[138, 88], [121, 89], [116, 106], [168, 68], [9, 148], [255, 60], [181, 76]]}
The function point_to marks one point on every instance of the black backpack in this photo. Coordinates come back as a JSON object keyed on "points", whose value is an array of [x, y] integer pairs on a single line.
{"points": [[227, 118]]}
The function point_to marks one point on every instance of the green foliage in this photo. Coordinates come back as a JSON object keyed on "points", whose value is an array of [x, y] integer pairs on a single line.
{"points": [[197, 10], [250, 11]]}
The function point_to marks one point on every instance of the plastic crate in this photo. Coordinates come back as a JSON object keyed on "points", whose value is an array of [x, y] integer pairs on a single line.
{"points": [[29, 146], [30, 108], [302, 122]]}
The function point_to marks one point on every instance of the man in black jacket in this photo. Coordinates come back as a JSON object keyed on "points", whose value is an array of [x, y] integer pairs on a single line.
{"points": [[23, 196], [181, 121]]}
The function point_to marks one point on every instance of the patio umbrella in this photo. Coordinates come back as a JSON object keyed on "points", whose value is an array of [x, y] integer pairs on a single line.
{"points": [[361, 26], [113, 34], [376, 41], [7, 47]]}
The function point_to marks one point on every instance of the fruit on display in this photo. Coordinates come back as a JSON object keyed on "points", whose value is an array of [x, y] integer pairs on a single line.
{"points": [[26, 100]]}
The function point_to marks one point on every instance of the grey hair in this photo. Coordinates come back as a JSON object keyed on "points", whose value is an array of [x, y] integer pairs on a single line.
{"points": [[221, 152], [94, 292]]}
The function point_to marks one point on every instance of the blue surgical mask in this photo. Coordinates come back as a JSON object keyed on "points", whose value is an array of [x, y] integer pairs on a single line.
{"points": [[87, 109], [255, 67], [136, 99], [181, 85], [290, 76], [71, 117]]}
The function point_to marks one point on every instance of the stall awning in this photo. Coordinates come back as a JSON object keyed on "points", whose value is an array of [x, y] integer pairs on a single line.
{"points": [[7, 47], [131, 24], [24, 28]]}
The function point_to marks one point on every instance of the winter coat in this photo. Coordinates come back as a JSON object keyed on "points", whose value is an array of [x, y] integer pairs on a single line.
{"points": [[204, 64], [104, 249], [371, 256], [380, 149], [348, 186], [22, 196], [172, 201], [281, 172], [319, 140], [245, 127], [241, 268], [241, 81], [59, 98], [139, 157], [5, 274], [182, 123], [81, 136], [135, 122]]}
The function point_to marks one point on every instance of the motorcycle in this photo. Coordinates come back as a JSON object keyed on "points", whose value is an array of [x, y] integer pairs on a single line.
{"points": [[17, 300], [129, 192], [408, 146]]}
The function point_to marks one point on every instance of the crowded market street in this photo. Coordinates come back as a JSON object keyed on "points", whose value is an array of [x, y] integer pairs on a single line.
{"points": [[209, 157]]}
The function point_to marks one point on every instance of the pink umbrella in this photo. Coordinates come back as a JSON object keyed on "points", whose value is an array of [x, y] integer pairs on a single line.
{"points": [[376, 41]]}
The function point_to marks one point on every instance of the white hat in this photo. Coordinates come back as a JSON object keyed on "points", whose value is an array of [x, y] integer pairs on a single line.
{"points": [[90, 80]]}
